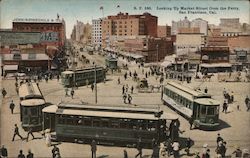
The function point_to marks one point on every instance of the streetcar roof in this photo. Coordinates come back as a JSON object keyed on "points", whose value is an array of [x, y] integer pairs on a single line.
{"points": [[29, 89], [207, 101], [107, 114], [50, 109], [32, 102], [107, 107], [184, 91], [67, 72]]}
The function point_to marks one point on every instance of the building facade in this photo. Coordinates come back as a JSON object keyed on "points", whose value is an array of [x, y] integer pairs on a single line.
{"points": [[96, 34], [153, 49], [189, 42], [163, 31], [124, 24], [52, 31], [201, 24], [176, 25]]}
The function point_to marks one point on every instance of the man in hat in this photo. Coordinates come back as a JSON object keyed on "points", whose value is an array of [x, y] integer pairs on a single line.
{"points": [[16, 132]]}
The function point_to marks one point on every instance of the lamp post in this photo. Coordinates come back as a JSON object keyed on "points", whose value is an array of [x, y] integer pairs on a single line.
{"points": [[157, 49]]}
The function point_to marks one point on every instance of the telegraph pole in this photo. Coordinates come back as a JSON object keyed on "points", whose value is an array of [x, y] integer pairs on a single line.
{"points": [[95, 87]]}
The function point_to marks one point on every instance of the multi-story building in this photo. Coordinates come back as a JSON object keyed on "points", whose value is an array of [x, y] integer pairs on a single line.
{"points": [[96, 34], [233, 23], [163, 31], [52, 31], [179, 24], [79, 30], [153, 49], [189, 42], [128, 25], [201, 24]]}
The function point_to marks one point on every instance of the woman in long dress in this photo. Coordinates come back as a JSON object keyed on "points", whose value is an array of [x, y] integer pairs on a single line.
{"points": [[48, 139]]}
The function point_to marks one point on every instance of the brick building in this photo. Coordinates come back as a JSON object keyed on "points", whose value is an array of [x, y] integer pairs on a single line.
{"points": [[153, 49], [124, 24], [52, 31], [163, 31]]}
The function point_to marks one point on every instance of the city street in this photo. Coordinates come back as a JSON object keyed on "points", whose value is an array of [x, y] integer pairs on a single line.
{"points": [[234, 128]]}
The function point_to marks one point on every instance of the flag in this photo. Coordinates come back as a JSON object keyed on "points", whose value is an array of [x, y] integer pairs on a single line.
{"points": [[118, 6], [101, 8]]}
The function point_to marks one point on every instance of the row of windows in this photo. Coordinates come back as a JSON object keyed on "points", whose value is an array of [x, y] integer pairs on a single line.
{"points": [[178, 98], [108, 122], [55, 28]]}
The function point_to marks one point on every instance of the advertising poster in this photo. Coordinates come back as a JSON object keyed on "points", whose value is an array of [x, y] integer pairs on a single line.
{"points": [[124, 78]]}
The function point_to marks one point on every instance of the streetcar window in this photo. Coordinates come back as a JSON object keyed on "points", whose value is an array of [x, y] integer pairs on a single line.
{"points": [[33, 111], [25, 111], [203, 110], [114, 124], [88, 122], [210, 110], [96, 123]]}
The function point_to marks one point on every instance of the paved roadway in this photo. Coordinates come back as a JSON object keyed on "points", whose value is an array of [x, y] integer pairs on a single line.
{"points": [[234, 129]]}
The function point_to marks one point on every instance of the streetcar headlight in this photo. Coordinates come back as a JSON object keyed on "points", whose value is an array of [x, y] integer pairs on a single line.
{"points": [[211, 121]]}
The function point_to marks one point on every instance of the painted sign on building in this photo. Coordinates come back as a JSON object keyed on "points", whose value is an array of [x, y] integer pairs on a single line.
{"points": [[49, 37], [9, 38]]}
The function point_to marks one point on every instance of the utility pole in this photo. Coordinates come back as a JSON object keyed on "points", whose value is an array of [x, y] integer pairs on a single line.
{"points": [[95, 87]]}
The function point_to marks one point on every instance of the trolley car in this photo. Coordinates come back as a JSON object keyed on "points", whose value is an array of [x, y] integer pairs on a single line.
{"points": [[82, 77], [192, 104], [121, 126], [31, 105]]}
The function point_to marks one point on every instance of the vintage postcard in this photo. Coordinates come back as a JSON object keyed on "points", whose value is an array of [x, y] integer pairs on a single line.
{"points": [[124, 78]]}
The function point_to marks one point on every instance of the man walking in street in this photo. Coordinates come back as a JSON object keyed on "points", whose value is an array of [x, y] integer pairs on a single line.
{"points": [[4, 93], [224, 107], [30, 154], [4, 152], [72, 92], [93, 149], [129, 98], [12, 106], [16, 132], [219, 139], [21, 155], [246, 102], [124, 97], [30, 133], [139, 148], [54, 151], [132, 90], [92, 87], [123, 89]]}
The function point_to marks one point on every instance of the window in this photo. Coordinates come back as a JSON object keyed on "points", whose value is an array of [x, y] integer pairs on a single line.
{"points": [[203, 110], [33, 112], [17, 56], [211, 110]]}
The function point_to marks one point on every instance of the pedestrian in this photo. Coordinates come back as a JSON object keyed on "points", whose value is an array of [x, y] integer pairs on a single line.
{"points": [[130, 73], [16, 132], [126, 88], [247, 100], [92, 87], [191, 121], [4, 92], [124, 97], [139, 148], [176, 148], [132, 90], [118, 80], [93, 148], [125, 153], [16, 84], [224, 107], [4, 152], [123, 89], [188, 146], [66, 92], [153, 143], [30, 154], [21, 155], [232, 97], [12, 106], [169, 146], [125, 76], [129, 98], [46, 78], [238, 107], [17, 90], [72, 92], [219, 139], [237, 152], [146, 75], [206, 90], [223, 149], [54, 150], [58, 77], [30, 133], [207, 154], [48, 139], [87, 82]]}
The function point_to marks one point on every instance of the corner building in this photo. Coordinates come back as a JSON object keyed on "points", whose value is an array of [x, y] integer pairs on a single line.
{"points": [[124, 24]]}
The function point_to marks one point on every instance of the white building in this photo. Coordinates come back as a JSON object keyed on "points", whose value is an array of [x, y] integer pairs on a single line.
{"points": [[179, 24], [97, 33], [189, 43], [200, 23]]}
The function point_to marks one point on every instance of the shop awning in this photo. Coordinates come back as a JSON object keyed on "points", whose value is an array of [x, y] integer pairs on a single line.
{"points": [[216, 65], [10, 67]]}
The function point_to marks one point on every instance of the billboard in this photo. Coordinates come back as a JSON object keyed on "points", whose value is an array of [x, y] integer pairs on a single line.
{"points": [[9, 38]]}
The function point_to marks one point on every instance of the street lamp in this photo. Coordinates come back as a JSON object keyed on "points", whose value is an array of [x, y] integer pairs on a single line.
{"points": [[157, 49], [95, 87]]}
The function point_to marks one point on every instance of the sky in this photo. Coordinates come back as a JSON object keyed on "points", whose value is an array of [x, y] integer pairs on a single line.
{"points": [[86, 10]]}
